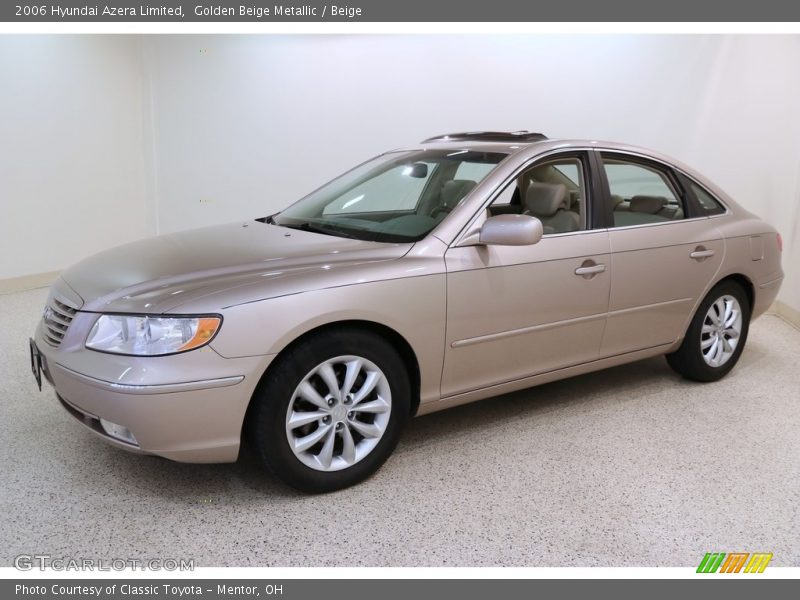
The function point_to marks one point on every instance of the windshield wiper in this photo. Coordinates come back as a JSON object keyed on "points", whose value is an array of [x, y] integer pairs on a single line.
{"points": [[313, 228]]}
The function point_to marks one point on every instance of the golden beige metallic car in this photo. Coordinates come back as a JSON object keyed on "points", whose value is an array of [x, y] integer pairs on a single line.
{"points": [[461, 268]]}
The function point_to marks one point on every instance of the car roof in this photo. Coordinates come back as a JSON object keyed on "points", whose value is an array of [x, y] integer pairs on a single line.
{"points": [[513, 137], [505, 142], [526, 144], [515, 142]]}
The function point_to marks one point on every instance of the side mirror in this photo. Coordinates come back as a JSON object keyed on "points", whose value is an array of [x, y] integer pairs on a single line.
{"points": [[511, 230]]}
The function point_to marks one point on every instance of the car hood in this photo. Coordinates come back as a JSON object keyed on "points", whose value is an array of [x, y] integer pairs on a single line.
{"points": [[161, 273]]}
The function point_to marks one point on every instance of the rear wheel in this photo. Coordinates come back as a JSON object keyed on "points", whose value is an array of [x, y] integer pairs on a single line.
{"points": [[331, 411], [716, 336]]}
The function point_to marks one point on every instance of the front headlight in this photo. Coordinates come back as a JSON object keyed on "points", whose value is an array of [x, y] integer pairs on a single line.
{"points": [[151, 336]]}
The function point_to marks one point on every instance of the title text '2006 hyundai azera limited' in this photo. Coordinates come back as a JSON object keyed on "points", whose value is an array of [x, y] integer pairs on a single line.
{"points": [[461, 268]]}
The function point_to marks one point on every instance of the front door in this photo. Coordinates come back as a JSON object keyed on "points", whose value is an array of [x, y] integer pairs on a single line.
{"points": [[516, 311]]}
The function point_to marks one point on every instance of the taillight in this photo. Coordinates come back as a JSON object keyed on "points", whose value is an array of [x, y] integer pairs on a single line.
{"points": [[780, 242]]}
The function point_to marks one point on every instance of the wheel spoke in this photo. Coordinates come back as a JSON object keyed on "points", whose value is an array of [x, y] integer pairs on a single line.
{"points": [[307, 392], [707, 329], [329, 377], [732, 333], [374, 406], [299, 419], [369, 384], [353, 369], [368, 430], [718, 353], [713, 349], [348, 447], [731, 319], [719, 306], [325, 455], [726, 345], [728, 311], [706, 343], [304, 443]]}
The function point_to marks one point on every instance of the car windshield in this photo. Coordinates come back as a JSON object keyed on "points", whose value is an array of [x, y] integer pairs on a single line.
{"points": [[396, 197]]}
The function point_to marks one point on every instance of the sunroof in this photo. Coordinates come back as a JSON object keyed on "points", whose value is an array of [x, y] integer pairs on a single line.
{"points": [[489, 136]]}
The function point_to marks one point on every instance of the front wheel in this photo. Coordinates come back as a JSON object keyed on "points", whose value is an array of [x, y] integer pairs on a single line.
{"points": [[331, 411], [716, 336]]}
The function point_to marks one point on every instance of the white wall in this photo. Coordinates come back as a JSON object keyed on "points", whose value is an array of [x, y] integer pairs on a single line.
{"points": [[71, 149], [247, 124], [239, 126]]}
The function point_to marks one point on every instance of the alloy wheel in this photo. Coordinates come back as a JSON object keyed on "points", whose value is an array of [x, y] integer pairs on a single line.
{"points": [[338, 413], [721, 330]]}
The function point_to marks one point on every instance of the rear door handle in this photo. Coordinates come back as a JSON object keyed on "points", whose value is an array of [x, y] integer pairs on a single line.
{"points": [[590, 270], [700, 254]]}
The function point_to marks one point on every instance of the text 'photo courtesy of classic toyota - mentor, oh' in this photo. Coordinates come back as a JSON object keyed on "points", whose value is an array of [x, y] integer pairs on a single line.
{"points": [[463, 267]]}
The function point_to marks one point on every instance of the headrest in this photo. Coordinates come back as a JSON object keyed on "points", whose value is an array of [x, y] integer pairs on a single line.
{"points": [[455, 190], [545, 199], [616, 200], [647, 204]]}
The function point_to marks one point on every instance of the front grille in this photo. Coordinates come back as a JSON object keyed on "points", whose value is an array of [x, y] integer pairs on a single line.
{"points": [[57, 318]]}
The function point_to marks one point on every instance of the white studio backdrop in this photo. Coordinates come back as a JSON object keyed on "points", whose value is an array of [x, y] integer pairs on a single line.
{"points": [[106, 139]]}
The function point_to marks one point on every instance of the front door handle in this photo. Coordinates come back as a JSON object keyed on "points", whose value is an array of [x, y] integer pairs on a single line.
{"points": [[589, 269], [701, 253]]}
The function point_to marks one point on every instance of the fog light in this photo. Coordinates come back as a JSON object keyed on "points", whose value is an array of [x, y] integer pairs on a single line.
{"points": [[119, 432]]}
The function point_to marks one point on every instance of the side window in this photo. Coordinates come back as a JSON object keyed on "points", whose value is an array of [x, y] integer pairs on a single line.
{"points": [[641, 194], [707, 204], [553, 191]]}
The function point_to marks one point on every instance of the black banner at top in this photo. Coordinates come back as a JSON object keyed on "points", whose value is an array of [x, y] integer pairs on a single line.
{"points": [[398, 11]]}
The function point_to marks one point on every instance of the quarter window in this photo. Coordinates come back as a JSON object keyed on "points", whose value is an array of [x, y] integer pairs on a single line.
{"points": [[707, 204], [641, 194]]}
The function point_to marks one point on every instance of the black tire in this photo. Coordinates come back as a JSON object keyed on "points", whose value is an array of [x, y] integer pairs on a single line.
{"points": [[266, 420], [688, 360]]}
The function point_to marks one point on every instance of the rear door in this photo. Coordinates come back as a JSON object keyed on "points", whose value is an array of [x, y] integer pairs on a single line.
{"points": [[663, 255]]}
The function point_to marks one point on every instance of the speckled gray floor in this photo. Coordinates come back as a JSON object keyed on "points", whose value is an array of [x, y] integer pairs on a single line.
{"points": [[628, 467]]}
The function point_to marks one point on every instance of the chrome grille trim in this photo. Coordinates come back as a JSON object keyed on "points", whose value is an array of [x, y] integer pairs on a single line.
{"points": [[56, 320]]}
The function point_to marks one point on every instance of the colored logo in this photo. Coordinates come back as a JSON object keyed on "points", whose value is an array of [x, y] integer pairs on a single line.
{"points": [[734, 562]]}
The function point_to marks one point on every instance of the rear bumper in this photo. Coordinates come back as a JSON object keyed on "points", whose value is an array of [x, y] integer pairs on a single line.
{"points": [[185, 419], [766, 294]]}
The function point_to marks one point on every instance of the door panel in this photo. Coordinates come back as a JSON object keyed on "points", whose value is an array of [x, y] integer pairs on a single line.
{"points": [[655, 281], [514, 311]]}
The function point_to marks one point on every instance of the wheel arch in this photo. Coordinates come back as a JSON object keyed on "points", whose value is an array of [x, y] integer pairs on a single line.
{"points": [[746, 284], [740, 278], [393, 337]]}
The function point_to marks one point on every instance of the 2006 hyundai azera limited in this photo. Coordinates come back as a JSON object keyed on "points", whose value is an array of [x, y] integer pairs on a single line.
{"points": [[464, 267]]}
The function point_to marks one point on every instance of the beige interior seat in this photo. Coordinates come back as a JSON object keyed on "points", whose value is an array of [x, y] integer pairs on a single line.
{"points": [[656, 205], [453, 191], [650, 205], [549, 202]]}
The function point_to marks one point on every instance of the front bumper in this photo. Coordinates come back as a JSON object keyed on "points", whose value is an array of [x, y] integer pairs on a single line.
{"points": [[187, 407]]}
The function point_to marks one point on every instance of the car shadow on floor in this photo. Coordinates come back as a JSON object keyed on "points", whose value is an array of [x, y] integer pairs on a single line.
{"points": [[207, 484]]}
